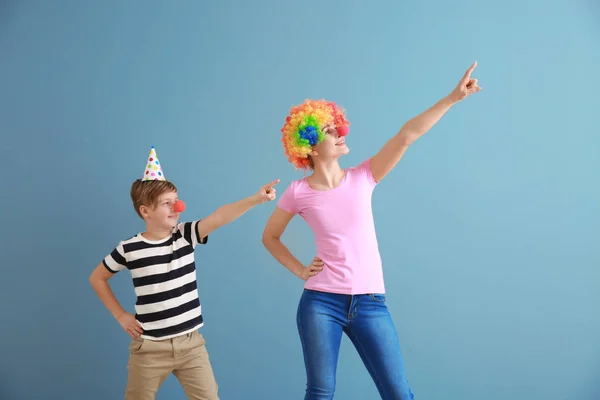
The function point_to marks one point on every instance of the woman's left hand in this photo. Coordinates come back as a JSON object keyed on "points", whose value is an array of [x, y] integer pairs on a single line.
{"points": [[466, 87]]}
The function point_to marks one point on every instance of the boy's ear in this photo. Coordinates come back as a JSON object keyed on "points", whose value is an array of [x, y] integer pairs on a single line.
{"points": [[144, 210]]}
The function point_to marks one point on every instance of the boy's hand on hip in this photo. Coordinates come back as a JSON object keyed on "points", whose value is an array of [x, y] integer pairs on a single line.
{"points": [[130, 325]]}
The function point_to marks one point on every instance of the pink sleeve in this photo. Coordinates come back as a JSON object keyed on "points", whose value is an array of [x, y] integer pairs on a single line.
{"points": [[287, 201], [364, 170]]}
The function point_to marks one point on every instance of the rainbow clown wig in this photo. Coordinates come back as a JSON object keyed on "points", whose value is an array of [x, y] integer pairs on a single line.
{"points": [[303, 129]]}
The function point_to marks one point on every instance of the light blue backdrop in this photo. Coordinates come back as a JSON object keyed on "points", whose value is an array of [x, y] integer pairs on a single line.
{"points": [[488, 228]]}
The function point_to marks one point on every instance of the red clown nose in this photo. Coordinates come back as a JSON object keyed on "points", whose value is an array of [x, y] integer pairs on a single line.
{"points": [[343, 130], [179, 206]]}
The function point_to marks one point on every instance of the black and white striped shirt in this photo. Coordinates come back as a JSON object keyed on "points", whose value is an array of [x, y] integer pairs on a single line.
{"points": [[164, 280]]}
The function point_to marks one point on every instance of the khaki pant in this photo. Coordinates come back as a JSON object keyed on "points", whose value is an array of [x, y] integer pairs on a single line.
{"points": [[151, 362]]}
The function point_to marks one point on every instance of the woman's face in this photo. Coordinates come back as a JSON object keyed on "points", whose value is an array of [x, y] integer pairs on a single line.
{"points": [[333, 147]]}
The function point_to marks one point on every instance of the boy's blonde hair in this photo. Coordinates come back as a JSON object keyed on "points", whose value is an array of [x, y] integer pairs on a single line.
{"points": [[146, 193]]}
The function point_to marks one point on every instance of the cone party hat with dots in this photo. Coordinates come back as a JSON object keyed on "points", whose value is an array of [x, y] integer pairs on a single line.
{"points": [[153, 170]]}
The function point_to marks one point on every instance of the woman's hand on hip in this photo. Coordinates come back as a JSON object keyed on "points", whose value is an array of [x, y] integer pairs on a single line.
{"points": [[313, 269]]}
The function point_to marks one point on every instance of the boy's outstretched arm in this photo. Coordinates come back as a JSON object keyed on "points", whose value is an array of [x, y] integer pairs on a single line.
{"points": [[230, 212]]}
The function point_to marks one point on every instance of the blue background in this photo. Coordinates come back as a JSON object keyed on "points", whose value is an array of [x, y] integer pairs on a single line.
{"points": [[488, 227]]}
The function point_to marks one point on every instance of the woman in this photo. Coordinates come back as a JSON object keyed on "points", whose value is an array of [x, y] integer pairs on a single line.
{"points": [[344, 287]]}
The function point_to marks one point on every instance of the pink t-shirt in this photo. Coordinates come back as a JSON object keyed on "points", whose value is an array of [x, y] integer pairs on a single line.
{"points": [[342, 223]]}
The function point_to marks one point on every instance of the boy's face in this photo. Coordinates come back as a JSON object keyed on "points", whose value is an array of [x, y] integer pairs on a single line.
{"points": [[162, 215]]}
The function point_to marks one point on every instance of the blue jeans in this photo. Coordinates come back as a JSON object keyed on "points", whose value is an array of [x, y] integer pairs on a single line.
{"points": [[322, 317]]}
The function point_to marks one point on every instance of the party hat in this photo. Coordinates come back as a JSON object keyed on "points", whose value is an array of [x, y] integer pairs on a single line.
{"points": [[153, 171]]}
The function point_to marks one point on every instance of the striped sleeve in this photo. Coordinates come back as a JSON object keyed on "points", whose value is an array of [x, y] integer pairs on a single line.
{"points": [[115, 261], [189, 231]]}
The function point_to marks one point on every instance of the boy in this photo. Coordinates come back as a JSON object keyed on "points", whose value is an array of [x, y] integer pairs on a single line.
{"points": [[164, 330]]}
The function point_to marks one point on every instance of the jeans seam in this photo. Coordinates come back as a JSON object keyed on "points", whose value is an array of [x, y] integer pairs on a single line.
{"points": [[353, 302], [298, 321]]}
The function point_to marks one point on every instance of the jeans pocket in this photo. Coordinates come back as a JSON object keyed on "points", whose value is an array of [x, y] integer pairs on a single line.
{"points": [[377, 297]]}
